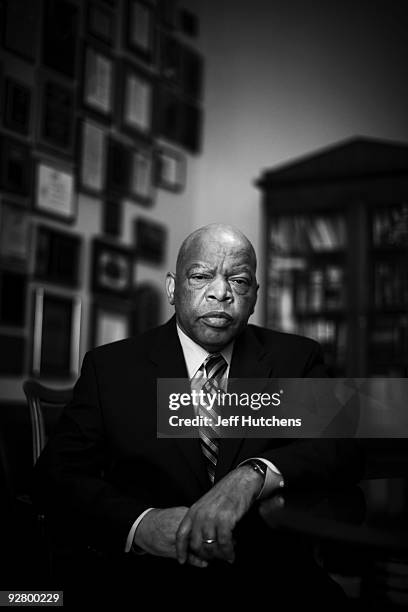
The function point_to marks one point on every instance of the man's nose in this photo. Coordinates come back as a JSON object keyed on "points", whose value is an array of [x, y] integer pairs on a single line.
{"points": [[219, 290]]}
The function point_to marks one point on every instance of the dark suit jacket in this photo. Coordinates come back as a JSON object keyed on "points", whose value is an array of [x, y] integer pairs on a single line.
{"points": [[105, 465]]}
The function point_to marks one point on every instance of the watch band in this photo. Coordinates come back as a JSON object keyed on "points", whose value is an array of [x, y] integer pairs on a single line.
{"points": [[258, 466]]}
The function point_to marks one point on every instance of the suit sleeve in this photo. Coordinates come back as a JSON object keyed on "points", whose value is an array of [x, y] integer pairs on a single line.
{"points": [[68, 480], [323, 462]]}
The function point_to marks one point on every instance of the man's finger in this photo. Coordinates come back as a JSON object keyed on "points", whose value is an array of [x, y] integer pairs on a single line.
{"points": [[225, 543], [196, 561], [182, 539]]}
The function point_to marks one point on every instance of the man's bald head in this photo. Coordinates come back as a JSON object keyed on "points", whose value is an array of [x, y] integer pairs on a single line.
{"points": [[215, 232], [214, 289]]}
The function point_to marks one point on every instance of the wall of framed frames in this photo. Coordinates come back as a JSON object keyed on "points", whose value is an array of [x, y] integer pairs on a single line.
{"points": [[101, 121]]}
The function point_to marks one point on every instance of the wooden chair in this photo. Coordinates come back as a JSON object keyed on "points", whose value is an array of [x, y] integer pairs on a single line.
{"points": [[45, 405]]}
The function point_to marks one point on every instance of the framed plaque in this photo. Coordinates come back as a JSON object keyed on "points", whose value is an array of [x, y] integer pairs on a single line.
{"points": [[119, 167], [170, 169], [15, 234], [140, 28], [98, 81], [56, 334], [17, 106], [111, 321], [137, 93], [56, 127], [92, 156], [150, 240], [13, 295], [141, 176], [101, 23], [112, 269], [15, 166], [55, 192], [57, 256]]}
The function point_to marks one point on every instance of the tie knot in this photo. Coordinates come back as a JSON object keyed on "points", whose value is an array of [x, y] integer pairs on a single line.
{"points": [[215, 365]]}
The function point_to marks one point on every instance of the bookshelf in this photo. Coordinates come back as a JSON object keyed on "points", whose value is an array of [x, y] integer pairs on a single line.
{"points": [[336, 253]]}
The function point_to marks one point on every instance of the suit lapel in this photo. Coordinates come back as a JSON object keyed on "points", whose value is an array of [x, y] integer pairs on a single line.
{"points": [[249, 360], [167, 354]]}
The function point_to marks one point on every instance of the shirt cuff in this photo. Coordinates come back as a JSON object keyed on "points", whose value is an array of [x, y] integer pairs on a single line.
{"points": [[273, 477], [131, 535]]}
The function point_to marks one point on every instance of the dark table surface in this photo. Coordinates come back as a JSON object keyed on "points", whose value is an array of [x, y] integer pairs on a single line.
{"points": [[372, 515]]}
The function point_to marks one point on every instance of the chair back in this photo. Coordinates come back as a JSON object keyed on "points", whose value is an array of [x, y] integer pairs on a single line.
{"points": [[45, 405]]}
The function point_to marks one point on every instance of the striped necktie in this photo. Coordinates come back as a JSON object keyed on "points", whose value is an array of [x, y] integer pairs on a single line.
{"points": [[208, 379]]}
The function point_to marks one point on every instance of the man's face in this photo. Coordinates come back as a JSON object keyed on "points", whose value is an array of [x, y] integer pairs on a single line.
{"points": [[215, 289]]}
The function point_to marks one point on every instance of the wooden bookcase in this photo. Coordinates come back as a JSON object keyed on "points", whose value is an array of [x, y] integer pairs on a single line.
{"points": [[336, 252]]}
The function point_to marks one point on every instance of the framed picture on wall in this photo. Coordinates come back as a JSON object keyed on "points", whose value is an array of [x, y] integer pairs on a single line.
{"points": [[57, 256], [170, 169], [191, 132], [169, 115], [15, 166], [119, 167], [57, 109], [12, 354], [92, 156], [110, 322], [167, 10], [54, 194], [13, 295], [56, 334], [147, 309], [141, 177], [98, 81], [112, 218], [15, 234], [171, 59], [20, 28], [60, 35], [150, 240], [136, 97], [112, 269], [140, 28], [192, 73], [189, 23], [17, 106], [101, 23]]}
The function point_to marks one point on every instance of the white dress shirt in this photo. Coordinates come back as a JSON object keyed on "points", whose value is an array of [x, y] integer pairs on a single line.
{"points": [[194, 356]]}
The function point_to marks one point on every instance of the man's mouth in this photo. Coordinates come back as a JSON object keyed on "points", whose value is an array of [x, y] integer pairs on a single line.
{"points": [[217, 319]]}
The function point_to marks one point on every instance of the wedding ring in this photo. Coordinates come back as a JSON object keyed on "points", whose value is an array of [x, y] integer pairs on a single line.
{"points": [[209, 541]]}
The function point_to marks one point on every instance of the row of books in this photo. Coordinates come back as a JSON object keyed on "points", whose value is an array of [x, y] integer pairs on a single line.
{"points": [[391, 284], [388, 339], [308, 290], [320, 289], [307, 233], [390, 226]]}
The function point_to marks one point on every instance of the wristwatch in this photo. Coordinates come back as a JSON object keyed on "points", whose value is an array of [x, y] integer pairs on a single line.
{"points": [[258, 466]]}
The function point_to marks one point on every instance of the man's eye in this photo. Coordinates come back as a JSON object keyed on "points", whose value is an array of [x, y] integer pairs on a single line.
{"points": [[199, 276], [240, 281]]}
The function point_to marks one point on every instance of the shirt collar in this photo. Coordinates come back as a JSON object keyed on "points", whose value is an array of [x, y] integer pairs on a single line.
{"points": [[194, 354]]}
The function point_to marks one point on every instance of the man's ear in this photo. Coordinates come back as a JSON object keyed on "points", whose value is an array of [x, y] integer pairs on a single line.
{"points": [[170, 286]]}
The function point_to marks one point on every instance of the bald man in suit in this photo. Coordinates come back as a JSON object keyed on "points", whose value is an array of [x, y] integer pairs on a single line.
{"points": [[149, 503]]}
